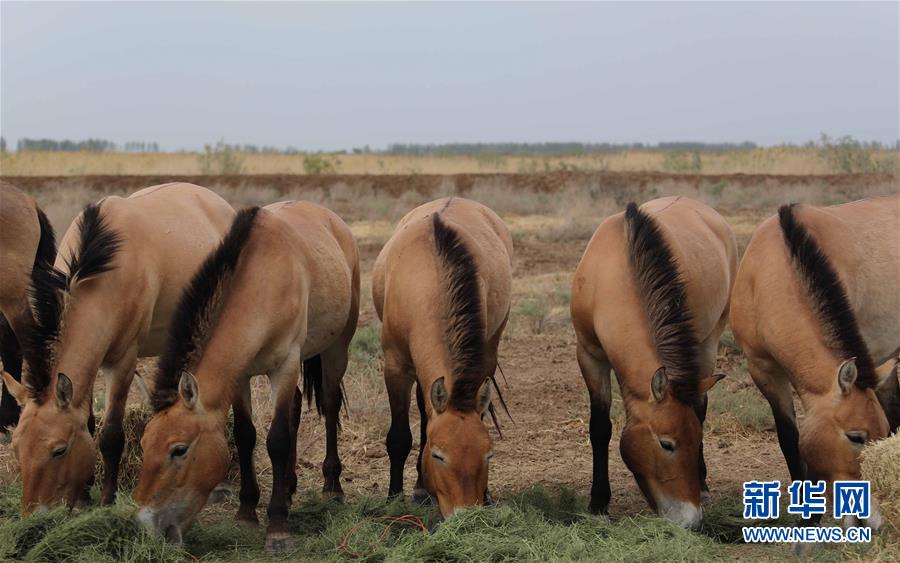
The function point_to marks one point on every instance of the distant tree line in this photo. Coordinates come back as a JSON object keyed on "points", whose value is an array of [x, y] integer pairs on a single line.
{"points": [[88, 145], [443, 149], [460, 149]]}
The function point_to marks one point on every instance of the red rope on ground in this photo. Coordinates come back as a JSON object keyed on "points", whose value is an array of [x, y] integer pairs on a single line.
{"points": [[410, 519]]}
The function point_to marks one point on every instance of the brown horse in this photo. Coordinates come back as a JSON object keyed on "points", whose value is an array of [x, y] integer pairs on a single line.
{"points": [[815, 308], [120, 269], [441, 287], [27, 239], [280, 291], [650, 300]]}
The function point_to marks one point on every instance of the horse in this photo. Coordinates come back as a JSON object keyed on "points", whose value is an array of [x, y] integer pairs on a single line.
{"points": [[650, 301], [107, 301], [441, 287], [814, 309], [280, 291], [28, 239]]}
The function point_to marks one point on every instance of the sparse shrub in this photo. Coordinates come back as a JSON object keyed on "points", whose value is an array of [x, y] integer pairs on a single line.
{"points": [[535, 310], [849, 156], [715, 190], [490, 161], [682, 162], [321, 164], [366, 343], [221, 158]]}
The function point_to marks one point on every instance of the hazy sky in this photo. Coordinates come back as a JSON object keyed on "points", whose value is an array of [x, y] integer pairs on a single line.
{"points": [[325, 76]]}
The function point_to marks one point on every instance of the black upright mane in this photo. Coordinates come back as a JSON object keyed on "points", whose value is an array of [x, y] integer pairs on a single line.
{"points": [[50, 287], [465, 331], [198, 310], [827, 296], [663, 294]]}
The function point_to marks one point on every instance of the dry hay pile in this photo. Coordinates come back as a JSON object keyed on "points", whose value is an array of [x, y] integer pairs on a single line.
{"points": [[881, 466]]}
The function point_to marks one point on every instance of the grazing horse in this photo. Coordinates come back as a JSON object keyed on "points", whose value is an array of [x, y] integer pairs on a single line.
{"points": [[814, 309], [27, 240], [650, 300], [441, 287], [107, 301], [280, 291]]}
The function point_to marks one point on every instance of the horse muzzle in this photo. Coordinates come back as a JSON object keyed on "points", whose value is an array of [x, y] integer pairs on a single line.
{"points": [[682, 513]]}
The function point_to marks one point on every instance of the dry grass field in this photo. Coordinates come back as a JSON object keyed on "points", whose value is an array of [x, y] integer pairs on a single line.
{"points": [[770, 160], [546, 443]]}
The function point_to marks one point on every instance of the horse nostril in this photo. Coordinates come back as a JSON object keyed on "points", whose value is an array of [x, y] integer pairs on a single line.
{"points": [[173, 534]]}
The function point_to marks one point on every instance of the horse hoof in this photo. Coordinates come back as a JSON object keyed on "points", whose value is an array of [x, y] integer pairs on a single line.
{"points": [[278, 543], [219, 494], [335, 496], [421, 497], [246, 520]]}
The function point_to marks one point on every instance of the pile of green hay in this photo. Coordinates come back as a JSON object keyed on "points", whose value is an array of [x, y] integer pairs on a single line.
{"points": [[537, 525], [881, 466], [99, 535]]}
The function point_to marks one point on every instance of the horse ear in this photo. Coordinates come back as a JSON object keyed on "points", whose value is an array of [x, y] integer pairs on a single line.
{"points": [[659, 385], [483, 399], [439, 395], [847, 375], [188, 390], [16, 389], [707, 383], [64, 390]]}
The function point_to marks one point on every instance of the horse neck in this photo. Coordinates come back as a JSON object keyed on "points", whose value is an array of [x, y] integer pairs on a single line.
{"points": [[88, 335], [634, 376], [233, 347], [429, 352]]}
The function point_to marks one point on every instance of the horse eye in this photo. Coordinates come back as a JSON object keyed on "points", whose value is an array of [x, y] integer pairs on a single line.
{"points": [[858, 438], [437, 456], [60, 451], [178, 450], [667, 445]]}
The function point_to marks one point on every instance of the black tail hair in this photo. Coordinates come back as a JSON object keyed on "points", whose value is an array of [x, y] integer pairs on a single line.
{"points": [[313, 376]]}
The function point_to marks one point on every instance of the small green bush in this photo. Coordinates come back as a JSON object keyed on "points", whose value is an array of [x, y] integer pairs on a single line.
{"points": [[321, 164], [680, 162], [221, 158]]}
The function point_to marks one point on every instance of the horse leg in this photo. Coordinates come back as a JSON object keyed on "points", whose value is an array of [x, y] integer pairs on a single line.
{"points": [[491, 369], [334, 366], [399, 437], [420, 494], [595, 372], [775, 387], [709, 349], [700, 409], [295, 428], [888, 392], [278, 444], [11, 355], [112, 436], [245, 440]]}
